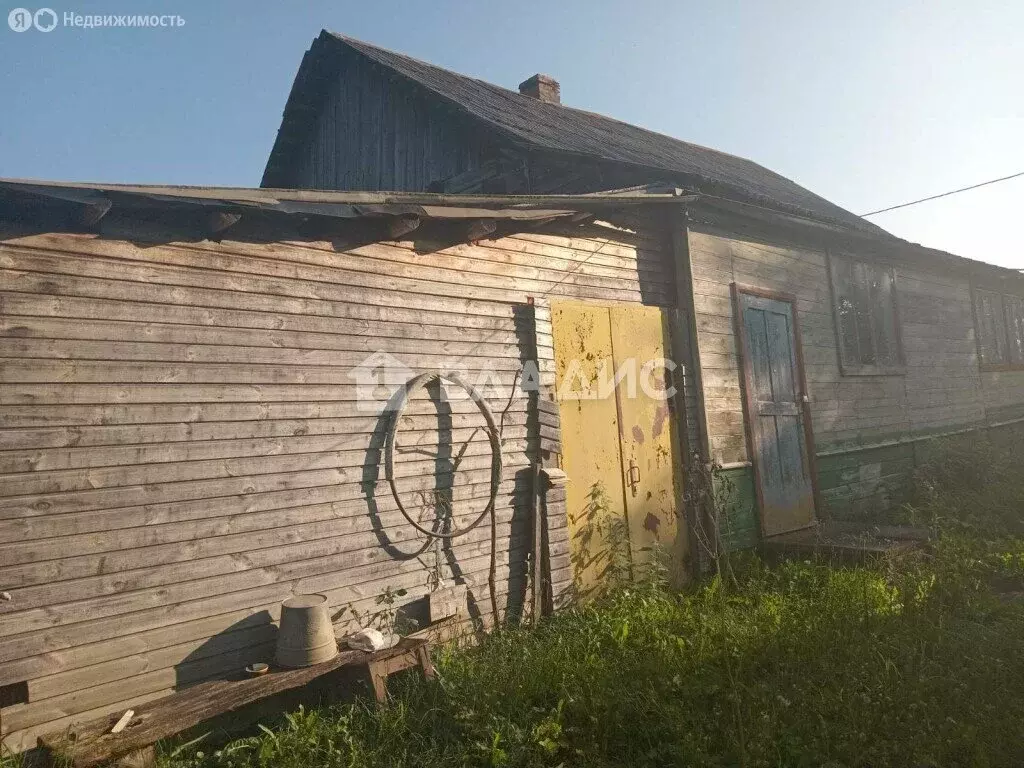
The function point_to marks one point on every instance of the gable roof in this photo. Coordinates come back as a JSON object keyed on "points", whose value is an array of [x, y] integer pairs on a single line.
{"points": [[558, 128]]}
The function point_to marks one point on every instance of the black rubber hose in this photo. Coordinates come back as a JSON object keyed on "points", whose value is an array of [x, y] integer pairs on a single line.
{"points": [[493, 432]]}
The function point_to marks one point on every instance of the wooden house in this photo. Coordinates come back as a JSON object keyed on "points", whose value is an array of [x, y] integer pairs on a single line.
{"points": [[900, 342], [184, 374], [192, 419]]}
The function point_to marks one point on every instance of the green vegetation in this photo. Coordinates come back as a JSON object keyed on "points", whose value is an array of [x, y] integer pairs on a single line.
{"points": [[911, 661], [797, 665]]}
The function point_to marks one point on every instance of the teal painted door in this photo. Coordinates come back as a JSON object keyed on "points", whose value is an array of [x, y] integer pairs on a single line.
{"points": [[775, 413]]}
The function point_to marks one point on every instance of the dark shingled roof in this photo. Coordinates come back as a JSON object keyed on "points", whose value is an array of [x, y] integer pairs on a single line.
{"points": [[560, 128]]}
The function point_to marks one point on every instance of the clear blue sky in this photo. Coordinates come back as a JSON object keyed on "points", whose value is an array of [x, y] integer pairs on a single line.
{"points": [[868, 103]]}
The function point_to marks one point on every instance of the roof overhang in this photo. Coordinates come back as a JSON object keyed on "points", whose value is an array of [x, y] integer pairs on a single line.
{"points": [[62, 205], [58, 205]]}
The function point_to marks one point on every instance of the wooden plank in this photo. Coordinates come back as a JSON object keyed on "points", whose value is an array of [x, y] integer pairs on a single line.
{"points": [[182, 268], [422, 442], [55, 393], [110, 288], [287, 329], [113, 571], [128, 531], [205, 418], [33, 371], [218, 485], [128, 654], [348, 466], [311, 498], [29, 561], [92, 743], [363, 600], [101, 336], [362, 580], [70, 437]]}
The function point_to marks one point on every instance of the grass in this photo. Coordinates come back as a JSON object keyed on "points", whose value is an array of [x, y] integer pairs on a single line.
{"points": [[908, 662], [797, 665]]}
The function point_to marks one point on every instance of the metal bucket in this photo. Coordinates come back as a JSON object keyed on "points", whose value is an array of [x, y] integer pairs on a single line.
{"points": [[306, 636]]}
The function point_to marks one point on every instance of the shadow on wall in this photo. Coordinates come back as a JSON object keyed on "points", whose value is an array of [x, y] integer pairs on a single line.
{"points": [[226, 654], [442, 558], [252, 638], [655, 270]]}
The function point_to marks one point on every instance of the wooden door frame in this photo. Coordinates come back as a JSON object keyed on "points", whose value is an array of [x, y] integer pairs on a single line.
{"points": [[747, 386]]}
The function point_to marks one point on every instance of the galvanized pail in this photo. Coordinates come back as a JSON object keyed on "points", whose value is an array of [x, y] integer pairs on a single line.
{"points": [[306, 636]]}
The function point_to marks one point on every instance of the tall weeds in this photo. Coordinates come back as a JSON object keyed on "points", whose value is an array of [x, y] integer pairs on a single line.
{"points": [[911, 661]]}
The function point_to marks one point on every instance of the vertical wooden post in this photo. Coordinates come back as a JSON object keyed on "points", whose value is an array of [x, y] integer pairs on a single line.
{"points": [[423, 655], [536, 525], [549, 497], [553, 482], [686, 348], [379, 680]]}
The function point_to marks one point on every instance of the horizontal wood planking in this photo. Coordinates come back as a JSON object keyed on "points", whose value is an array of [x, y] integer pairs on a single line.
{"points": [[941, 388], [334, 277], [202, 431], [181, 446], [189, 663], [371, 562], [149, 546], [842, 406], [94, 683]]}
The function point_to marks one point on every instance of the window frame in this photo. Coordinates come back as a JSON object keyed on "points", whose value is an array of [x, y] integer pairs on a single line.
{"points": [[1008, 329], [846, 368]]}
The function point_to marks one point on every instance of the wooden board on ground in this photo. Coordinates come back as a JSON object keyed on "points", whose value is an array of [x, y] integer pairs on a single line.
{"points": [[93, 743]]}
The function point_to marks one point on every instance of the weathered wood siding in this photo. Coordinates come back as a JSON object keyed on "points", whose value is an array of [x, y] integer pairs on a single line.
{"points": [[376, 132], [864, 426], [373, 130], [181, 446]]}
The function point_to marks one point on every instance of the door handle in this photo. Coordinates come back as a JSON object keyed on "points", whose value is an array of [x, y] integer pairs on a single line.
{"points": [[633, 476]]}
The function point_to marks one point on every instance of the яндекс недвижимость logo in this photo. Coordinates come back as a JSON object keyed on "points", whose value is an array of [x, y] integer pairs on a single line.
{"points": [[46, 20], [22, 19]]}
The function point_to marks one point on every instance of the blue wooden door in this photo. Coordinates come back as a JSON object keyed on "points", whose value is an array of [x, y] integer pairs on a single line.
{"points": [[772, 382]]}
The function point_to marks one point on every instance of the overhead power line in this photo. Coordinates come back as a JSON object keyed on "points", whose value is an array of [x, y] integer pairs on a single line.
{"points": [[944, 194]]}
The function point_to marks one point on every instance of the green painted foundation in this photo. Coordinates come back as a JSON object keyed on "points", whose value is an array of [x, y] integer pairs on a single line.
{"points": [[866, 485], [737, 500]]}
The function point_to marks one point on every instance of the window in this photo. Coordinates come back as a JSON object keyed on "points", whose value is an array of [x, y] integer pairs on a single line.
{"points": [[864, 301], [1014, 306], [999, 323]]}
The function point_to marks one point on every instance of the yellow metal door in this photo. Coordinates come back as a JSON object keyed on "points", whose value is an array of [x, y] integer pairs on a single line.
{"points": [[618, 434], [590, 429], [653, 477]]}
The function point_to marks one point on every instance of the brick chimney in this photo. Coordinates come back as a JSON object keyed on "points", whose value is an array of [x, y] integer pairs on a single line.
{"points": [[542, 87]]}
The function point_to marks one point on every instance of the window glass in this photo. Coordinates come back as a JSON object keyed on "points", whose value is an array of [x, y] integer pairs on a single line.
{"points": [[991, 328], [865, 309], [883, 309], [1014, 306], [845, 313]]}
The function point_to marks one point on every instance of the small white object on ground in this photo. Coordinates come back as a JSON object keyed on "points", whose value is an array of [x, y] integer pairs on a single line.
{"points": [[121, 724], [372, 640]]}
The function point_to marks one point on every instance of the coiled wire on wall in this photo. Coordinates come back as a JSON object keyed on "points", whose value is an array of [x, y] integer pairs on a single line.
{"points": [[494, 436]]}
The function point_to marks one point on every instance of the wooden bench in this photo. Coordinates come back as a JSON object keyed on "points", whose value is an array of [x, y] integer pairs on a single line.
{"points": [[92, 743]]}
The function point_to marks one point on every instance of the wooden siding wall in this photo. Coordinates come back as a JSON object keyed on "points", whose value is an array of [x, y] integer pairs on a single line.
{"points": [[181, 448], [377, 133], [864, 426]]}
